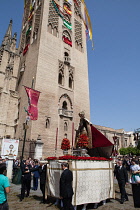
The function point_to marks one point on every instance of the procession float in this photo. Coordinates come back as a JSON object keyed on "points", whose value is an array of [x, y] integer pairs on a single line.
{"points": [[91, 163]]}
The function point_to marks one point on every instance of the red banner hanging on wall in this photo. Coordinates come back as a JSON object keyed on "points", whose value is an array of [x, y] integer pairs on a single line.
{"points": [[33, 96]]}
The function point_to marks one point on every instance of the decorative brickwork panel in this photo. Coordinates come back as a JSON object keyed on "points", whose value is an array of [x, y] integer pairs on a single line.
{"points": [[78, 33], [53, 16], [37, 21], [77, 7]]}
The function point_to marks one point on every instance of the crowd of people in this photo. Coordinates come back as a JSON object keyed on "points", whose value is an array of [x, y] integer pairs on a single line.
{"points": [[126, 170], [30, 170]]}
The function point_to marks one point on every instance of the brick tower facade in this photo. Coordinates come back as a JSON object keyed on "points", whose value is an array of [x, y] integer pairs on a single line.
{"points": [[53, 51]]}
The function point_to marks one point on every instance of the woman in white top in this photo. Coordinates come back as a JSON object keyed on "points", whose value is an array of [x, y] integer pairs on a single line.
{"points": [[135, 171]]}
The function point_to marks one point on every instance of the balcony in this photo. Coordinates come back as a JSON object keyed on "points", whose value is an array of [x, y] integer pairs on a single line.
{"points": [[65, 113]]}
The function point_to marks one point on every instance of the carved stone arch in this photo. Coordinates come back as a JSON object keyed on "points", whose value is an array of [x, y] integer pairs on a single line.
{"points": [[67, 4], [55, 31], [67, 34], [65, 96], [65, 126], [50, 28]]}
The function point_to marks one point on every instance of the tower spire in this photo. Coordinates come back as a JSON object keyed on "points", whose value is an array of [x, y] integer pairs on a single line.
{"points": [[8, 35], [9, 30]]}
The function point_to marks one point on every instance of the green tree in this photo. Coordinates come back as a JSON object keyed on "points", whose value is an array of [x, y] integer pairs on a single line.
{"points": [[123, 151], [129, 150]]}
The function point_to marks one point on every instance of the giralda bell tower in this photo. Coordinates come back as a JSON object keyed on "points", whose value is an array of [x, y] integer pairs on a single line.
{"points": [[53, 58]]}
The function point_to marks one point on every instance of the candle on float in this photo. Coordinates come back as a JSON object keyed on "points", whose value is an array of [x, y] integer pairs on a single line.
{"points": [[56, 139], [72, 133]]}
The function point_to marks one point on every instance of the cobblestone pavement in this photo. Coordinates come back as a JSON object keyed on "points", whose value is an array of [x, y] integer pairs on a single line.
{"points": [[33, 201]]}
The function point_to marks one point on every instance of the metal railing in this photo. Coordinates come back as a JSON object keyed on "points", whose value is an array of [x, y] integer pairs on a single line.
{"points": [[65, 113]]}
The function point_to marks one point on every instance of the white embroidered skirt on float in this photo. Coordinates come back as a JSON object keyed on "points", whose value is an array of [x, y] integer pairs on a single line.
{"points": [[92, 180]]}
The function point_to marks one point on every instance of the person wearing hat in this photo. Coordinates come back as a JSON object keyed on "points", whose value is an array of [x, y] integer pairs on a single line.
{"points": [[4, 187]]}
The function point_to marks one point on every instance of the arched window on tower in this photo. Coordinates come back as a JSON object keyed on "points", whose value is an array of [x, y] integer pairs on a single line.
{"points": [[70, 83], [48, 122], [66, 54], [71, 77], [55, 32], [60, 79], [61, 73], [50, 28], [66, 37], [65, 126], [64, 106]]}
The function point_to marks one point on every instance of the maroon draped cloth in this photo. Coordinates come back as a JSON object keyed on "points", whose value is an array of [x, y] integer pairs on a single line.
{"points": [[101, 145], [98, 139]]}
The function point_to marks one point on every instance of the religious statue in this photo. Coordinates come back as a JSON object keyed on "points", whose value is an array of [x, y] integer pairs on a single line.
{"points": [[83, 128]]}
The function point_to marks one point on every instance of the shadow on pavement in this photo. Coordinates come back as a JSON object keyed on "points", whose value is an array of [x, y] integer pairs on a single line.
{"points": [[36, 197]]}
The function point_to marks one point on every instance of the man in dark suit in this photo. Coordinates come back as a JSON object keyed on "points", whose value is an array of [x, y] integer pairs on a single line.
{"points": [[42, 171], [25, 179], [35, 175], [66, 191], [121, 175]]}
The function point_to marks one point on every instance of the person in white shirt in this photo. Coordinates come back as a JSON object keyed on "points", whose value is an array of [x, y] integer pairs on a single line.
{"points": [[135, 172]]}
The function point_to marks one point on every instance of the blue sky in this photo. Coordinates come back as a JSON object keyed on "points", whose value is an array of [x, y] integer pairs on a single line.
{"points": [[114, 64]]}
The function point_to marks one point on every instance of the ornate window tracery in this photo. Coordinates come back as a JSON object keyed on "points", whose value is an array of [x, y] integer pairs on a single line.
{"points": [[71, 77], [52, 19], [61, 73]]}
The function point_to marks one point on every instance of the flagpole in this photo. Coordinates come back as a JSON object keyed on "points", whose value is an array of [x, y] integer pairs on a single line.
{"points": [[25, 127]]}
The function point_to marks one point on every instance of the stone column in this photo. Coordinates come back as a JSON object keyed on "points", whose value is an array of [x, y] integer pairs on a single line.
{"points": [[10, 167], [38, 148]]}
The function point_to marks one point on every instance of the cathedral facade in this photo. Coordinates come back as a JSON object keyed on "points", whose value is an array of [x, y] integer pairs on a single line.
{"points": [[51, 58]]}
